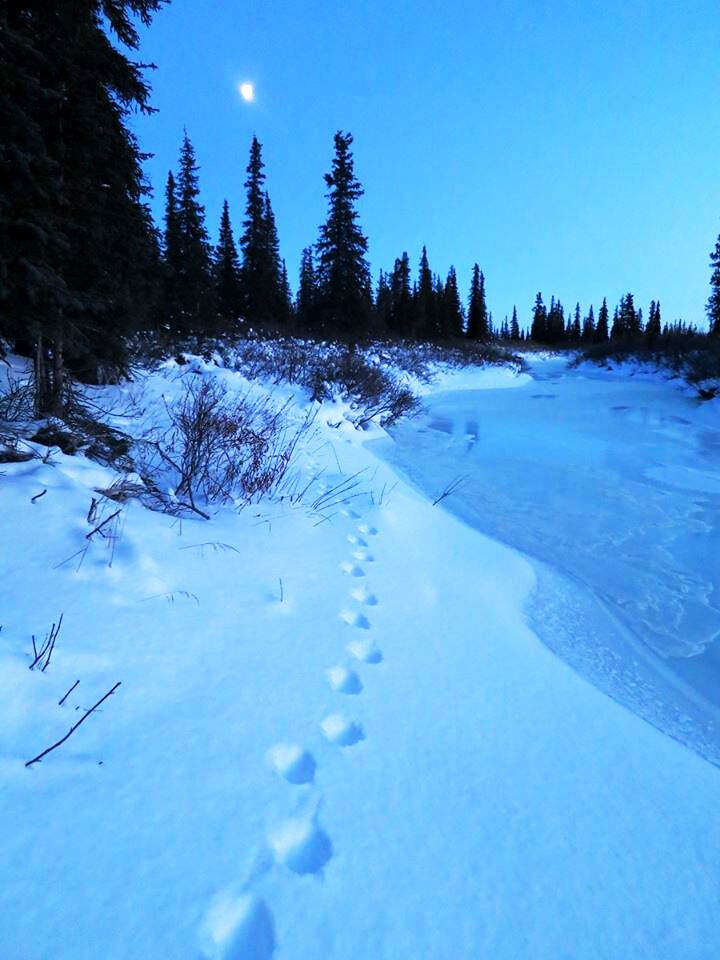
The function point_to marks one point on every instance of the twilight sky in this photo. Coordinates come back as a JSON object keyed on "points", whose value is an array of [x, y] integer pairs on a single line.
{"points": [[569, 146]]}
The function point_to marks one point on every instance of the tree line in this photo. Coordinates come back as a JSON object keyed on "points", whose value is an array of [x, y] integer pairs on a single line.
{"points": [[245, 285], [85, 272]]}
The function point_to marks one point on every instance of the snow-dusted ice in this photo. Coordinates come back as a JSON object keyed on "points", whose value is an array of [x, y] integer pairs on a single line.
{"points": [[319, 756], [611, 480]]}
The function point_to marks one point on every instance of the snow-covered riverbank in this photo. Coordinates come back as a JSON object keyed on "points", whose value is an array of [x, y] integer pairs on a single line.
{"points": [[336, 734]]}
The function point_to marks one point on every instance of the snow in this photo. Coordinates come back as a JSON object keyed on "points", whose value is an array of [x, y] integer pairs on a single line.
{"points": [[353, 735]]}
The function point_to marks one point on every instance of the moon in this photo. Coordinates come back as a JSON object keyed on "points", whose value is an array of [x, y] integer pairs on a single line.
{"points": [[247, 91]]}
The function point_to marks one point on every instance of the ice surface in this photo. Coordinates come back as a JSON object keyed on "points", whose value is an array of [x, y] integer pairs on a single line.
{"points": [[612, 484]]}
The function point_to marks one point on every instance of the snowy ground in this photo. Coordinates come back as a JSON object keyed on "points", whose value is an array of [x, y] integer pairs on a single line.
{"points": [[335, 739]]}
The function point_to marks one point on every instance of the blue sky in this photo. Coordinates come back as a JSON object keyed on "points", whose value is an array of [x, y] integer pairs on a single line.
{"points": [[568, 147]]}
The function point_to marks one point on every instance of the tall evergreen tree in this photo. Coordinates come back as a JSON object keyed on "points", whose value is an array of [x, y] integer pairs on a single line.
{"points": [[477, 325], [538, 327], [514, 326], [426, 311], [276, 263], [193, 283], [575, 328], [260, 273], [452, 308], [652, 330], [78, 251], [401, 299], [713, 304], [588, 327], [343, 274], [439, 292], [171, 261], [630, 318], [383, 303], [601, 330], [226, 274], [286, 309], [307, 292], [555, 328]]}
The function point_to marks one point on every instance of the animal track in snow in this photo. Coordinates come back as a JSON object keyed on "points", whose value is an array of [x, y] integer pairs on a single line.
{"points": [[358, 541], [363, 555], [365, 650], [344, 680], [341, 731], [352, 569], [349, 512], [355, 619], [301, 845], [292, 762], [238, 928], [363, 595], [367, 530]]}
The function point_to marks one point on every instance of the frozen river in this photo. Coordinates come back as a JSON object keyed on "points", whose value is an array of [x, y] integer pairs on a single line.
{"points": [[610, 485]]}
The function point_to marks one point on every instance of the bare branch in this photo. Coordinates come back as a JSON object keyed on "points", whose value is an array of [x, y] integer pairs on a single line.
{"points": [[61, 702], [99, 527], [73, 728], [450, 488], [46, 650]]}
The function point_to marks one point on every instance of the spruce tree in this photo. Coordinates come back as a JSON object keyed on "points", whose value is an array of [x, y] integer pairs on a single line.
{"points": [[477, 325], [652, 330], [307, 293], [383, 303], [193, 283], [278, 308], [514, 326], [260, 273], [286, 309], [575, 329], [629, 318], [601, 330], [32, 289], [439, 292], [555, 325], [78, 250], [538, 327], [343, 274], [171, 260], [588, 328], [226, 274], [713, 304], [400, 321], [426, 312], [452, 309]]}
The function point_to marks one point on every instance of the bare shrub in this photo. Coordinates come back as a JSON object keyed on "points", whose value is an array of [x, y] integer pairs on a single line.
{"points": [[11, 450], [419, 358], [17, 400], [691, 355], [219, 448], [329, 370]]}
